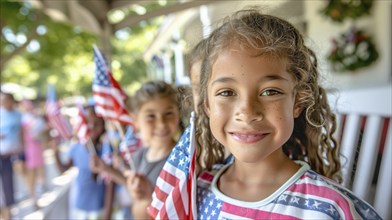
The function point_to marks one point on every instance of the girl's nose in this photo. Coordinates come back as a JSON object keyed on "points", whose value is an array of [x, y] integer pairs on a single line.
{"points": [[161, 121], [249, 110]]}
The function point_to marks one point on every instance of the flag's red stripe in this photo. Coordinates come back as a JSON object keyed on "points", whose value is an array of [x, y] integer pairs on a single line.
{"points": [[112, 102], [177, 200], [60, 124], [105, 105], [168, 177], [250, 213], [103, 93], [176, 195], [160, 194], [163, 213], [153, 212]]}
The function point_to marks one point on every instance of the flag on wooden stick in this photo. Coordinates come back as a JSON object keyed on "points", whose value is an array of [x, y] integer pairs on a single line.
{"points": [[174, 195]]}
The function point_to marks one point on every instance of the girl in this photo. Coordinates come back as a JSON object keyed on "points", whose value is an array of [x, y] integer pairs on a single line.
{"points": [[34, 126], [157, 119], [260, 99]]}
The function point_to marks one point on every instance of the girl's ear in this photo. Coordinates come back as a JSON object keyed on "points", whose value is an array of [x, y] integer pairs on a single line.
{"points": [[297, 110]]}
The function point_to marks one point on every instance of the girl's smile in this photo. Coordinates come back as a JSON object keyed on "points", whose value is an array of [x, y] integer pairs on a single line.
{"points": [[248, 137]]}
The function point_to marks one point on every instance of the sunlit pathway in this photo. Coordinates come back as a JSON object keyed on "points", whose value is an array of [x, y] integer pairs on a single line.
{"points": [[54, 198]]}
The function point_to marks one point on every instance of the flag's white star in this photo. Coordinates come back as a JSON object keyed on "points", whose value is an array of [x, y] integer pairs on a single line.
{"points": [[283, 197], [173, 157], [331, 209], [316, 204], [295, 200], [181, 162]]}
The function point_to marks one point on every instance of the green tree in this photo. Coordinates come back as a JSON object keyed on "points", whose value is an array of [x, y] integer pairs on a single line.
{"points": [[36, 50]]}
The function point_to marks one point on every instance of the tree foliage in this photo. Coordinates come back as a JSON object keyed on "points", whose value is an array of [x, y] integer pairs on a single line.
{"points": [[36, 50]]}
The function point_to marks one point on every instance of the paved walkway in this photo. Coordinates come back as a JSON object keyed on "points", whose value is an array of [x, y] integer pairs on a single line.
{"points": [[55, 188]]}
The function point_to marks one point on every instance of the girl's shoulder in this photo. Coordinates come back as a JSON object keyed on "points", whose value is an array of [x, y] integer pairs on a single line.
{"points": [[319, 189]]}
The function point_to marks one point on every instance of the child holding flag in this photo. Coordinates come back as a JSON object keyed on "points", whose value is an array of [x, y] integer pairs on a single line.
{"points": [[260, 99], [89, 190], [157, 120]]}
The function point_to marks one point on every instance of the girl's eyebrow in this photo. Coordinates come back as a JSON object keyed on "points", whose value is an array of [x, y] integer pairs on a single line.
{"points": [[274, 77], [271, 77], [223, 80]]}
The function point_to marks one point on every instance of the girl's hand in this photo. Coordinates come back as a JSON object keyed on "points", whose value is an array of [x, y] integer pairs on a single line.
{"points": [[96, 164], [117, 161], [138, 185]]}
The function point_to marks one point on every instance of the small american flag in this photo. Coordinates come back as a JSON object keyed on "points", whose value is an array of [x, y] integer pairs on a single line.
{"points": [[174, 196], [108, 95], [56, 120], [81, 127], [130, 143]]}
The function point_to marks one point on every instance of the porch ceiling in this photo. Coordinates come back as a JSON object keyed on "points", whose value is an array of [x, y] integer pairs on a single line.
{"points": [[92, 14]]}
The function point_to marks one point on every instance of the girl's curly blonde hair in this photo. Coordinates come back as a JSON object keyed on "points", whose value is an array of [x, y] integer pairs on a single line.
{"points": [[312, 140]]}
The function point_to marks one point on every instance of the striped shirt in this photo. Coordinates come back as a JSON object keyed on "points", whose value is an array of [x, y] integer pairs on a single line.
{"points": [[306, 195]]}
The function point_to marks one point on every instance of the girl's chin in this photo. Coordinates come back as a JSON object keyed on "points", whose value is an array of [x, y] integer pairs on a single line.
{"points": [[162, 142]]}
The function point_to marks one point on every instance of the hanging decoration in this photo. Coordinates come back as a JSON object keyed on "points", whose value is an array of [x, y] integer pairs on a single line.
{"points": [[352, 50], [339, 10]]}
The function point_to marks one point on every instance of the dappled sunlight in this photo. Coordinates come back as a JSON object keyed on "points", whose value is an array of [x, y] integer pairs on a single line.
{"points": [[64, 179], [37, 215]]}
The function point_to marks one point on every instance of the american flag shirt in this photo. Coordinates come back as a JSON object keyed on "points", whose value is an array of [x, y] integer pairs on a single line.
{"points": [[306, 195]]}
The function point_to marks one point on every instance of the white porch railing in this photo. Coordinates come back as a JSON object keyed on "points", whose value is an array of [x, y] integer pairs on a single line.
{"points": [[364, 131]]}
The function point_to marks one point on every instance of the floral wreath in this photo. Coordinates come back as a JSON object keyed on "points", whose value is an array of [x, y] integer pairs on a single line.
{"points": [[352, 50], [339, 10]]}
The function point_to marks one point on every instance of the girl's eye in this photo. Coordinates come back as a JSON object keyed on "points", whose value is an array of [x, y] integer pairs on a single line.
{"points": [[150, 117], [169, 113], [226, 93], [270, 92]]}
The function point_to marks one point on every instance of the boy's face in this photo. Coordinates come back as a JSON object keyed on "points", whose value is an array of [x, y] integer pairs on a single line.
{"points": [[195, 81], [158, 122], [251, 105]]}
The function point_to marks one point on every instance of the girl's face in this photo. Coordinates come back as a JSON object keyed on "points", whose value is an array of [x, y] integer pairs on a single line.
{"points": [[251, 104], [158, 121]]}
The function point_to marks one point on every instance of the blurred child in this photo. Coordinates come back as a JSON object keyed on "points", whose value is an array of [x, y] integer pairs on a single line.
{"points": [[11, 144], [89, 189], [157, 119], [34, 126]]}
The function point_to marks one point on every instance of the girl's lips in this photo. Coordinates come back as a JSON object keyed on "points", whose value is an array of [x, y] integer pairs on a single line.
{"points": [[248, 137]]}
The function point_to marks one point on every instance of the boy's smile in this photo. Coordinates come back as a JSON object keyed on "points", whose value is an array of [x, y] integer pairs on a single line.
{"points": [[251, 104]]}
